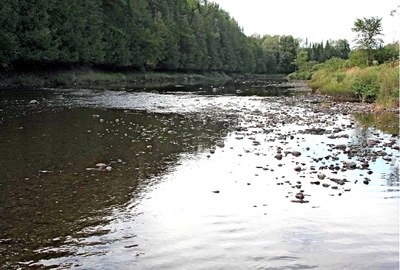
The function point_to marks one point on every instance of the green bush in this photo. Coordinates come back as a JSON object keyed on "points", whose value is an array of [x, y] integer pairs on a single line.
{"points": [[358, 58], [300, 75], [366, 87]]}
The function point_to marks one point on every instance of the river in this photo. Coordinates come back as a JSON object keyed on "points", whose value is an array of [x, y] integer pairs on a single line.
{"points": [[252, 175]]}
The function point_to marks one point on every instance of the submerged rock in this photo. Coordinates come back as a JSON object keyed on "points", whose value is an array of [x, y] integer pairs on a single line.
{"points": [[297, 168], [299, 196], [34, 102], [101, 165]]}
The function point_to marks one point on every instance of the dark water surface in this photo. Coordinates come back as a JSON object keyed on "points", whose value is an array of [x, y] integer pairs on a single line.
{"points": [[194, 181]]}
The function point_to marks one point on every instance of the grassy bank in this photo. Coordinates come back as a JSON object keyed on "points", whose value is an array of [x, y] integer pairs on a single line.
{"points": [[90, 77], [379, 84]]}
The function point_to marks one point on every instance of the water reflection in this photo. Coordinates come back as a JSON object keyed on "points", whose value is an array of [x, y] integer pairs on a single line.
{"points": [[48, 189], [195, 183], [387, 122], [261, 88]]}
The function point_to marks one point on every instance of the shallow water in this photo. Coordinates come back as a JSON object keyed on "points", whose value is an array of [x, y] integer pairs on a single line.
{"points": [[195, 182]]}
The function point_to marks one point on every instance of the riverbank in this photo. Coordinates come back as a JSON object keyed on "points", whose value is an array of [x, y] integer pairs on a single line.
{"points": [[375, 84], [88, 77], [339, 101], [98, 78]]}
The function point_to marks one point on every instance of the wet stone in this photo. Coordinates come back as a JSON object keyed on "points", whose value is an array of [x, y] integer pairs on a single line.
{"points": [[299, 196], [296, 153], [297, 168]]}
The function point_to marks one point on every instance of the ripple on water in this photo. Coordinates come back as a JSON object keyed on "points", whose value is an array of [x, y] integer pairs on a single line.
{"points": [[156, 209]]}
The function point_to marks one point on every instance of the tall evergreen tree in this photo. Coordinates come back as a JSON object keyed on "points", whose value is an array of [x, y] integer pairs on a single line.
{"points": [[134, 34], [37, 44], [8, 32]]}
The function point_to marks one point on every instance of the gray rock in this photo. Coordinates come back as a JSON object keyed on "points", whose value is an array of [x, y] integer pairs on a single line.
{"points": [[351, 165]]}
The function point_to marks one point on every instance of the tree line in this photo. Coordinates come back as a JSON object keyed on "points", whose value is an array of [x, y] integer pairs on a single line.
{"points": [[166, 35]]}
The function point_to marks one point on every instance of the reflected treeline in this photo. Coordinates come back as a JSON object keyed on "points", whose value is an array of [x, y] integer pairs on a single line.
{"points": [[393, 177], [387, 122], [49, 187], [252, 87]]}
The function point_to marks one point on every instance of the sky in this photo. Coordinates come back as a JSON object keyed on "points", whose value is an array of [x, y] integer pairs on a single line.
{"points": [[316, 20]]}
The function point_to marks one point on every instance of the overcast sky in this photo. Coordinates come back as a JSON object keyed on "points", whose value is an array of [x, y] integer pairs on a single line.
{"points": [[316, 20]]}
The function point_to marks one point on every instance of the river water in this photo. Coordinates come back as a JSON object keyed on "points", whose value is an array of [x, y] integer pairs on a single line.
{"points": [[249, 176]]}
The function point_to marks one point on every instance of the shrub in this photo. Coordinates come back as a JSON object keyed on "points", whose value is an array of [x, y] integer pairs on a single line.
{"points": [[358, 58], [366, 87], [300, 75]]}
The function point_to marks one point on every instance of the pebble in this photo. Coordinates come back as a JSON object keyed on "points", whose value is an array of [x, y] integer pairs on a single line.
{"points": [[101, 165]]}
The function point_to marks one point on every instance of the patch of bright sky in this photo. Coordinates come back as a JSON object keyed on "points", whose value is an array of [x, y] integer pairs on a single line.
{"points": [[316, 20]]}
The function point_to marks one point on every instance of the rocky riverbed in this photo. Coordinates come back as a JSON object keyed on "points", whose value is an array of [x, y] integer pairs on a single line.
{"points": [[253, 175]]}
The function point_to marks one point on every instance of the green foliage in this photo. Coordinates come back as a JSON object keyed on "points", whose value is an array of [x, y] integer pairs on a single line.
{"points": [[358, 58], [301, 60], [300, 75], [332, 48], [129, 34], [389, 84], [76, 25], [388, 53], [368, 84], [8, 37], [36, 42], [368, 30], [164, 35], [281, 52], [333, 64], [366, 87], [330, 82]]}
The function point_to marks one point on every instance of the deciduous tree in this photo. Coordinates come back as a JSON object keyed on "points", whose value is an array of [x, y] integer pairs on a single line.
{"points": [[368, 31]]}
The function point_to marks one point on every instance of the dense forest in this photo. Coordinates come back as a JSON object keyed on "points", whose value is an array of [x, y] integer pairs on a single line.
{"points": [[164, 35]]}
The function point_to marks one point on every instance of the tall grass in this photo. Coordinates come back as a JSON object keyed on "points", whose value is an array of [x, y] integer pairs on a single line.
{"points": [[337, 84], [389, 85], [378, 84]]}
